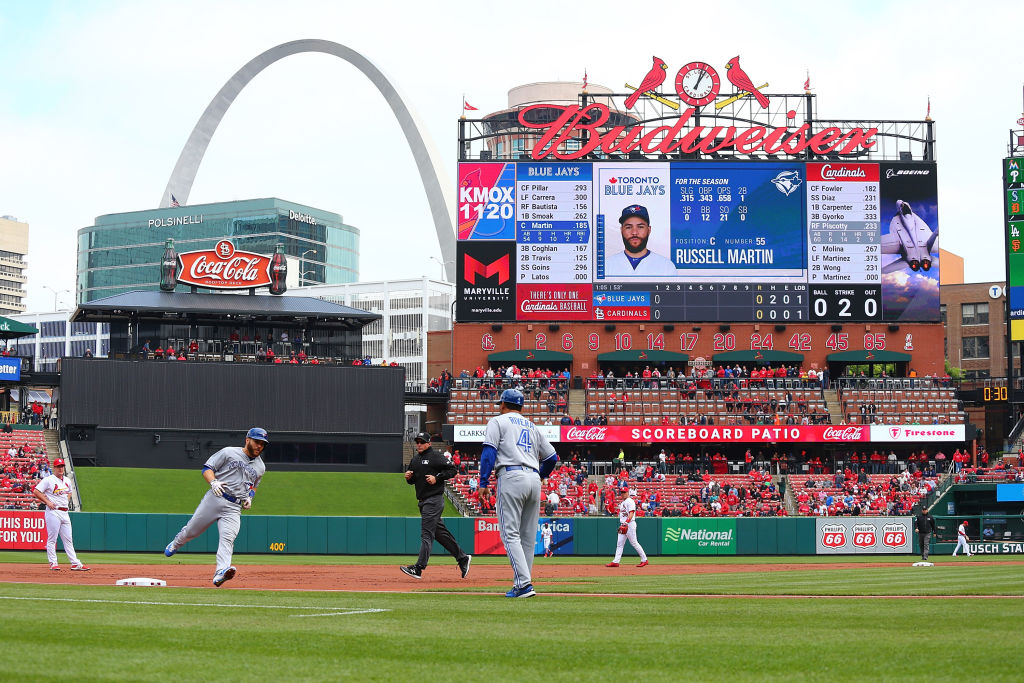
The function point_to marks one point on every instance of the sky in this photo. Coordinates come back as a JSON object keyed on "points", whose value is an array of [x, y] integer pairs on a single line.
{"points": [[98, 98]]}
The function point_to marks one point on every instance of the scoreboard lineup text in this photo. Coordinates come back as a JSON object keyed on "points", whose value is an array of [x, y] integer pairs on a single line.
{"points": [[741, 241]]}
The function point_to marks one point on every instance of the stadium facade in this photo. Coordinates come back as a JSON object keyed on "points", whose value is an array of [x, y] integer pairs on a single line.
{"points": [[121, 252]]}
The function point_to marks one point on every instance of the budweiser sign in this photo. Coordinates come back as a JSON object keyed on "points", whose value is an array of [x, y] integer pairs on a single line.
{"points": [[587, 127], [223, 267]]}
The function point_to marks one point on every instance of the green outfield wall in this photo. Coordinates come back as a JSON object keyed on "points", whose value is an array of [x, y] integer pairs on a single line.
{"points": [[591, 536]]}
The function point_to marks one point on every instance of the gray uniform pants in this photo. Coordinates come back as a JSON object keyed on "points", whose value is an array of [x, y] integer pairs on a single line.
{"points": [[214, 509], [925, 540], [518, 507]]}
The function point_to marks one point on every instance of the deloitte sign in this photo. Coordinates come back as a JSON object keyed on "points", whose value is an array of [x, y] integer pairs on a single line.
{"points": [[698, 536]]}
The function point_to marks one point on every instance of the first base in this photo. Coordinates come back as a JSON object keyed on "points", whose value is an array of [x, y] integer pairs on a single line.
{"points": [[141, 582], [924, 564]]}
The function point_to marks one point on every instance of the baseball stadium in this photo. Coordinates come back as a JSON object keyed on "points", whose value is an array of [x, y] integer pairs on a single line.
{"points": [[720, 311]]}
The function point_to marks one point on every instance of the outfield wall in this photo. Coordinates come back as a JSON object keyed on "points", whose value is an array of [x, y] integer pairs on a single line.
{"points": [[589, 536]]}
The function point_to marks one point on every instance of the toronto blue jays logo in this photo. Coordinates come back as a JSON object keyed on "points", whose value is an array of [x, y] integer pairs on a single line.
{"points": [[787, 181]]}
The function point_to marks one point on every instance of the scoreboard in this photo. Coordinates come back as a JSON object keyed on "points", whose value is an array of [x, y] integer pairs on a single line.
{"points": [[743, 241]]}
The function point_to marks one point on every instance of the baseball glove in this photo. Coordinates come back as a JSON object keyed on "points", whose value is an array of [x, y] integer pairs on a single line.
{"points": [[623, 528]]}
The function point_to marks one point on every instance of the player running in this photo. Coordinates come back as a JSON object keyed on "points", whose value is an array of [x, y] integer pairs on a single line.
{"points": [[233, 474], [545, 534], [54, 491], [627, 530], [961, 540], [522, 456]]}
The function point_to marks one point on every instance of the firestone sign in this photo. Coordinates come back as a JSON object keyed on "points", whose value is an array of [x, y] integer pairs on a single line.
{"points": [[716, 434], [224, 267]]}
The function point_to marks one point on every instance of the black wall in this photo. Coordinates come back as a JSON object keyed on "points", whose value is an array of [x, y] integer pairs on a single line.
{"points": [[177, 413]]}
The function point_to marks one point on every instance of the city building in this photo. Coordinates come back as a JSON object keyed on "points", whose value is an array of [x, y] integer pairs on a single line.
{"points": [[58, 338], [409, 309], [122, 251], [13, 249], [975, 316]]}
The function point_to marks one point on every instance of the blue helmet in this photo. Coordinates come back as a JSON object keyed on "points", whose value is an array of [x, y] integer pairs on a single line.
{"points": [[513, 396], [259, 434]]}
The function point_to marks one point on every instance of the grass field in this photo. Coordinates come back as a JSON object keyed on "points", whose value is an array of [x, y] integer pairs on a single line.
{"points": [[130, 489], [108, 633]]}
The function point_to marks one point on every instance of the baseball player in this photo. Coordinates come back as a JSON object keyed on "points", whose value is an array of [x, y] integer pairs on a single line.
{"points": [[636, 258], [961, 540], [627, 530], [545, 534], [53, 492], [233, 474], [427, 471], [522, 456]]}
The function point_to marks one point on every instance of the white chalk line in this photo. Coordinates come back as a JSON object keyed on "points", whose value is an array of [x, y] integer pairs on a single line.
{"points": [[197, 604]]}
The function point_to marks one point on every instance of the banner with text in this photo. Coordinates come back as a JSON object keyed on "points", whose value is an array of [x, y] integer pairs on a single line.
{"points": [[852, 535], [698, 536], [22, 530], [717, 434], [561, 536]]}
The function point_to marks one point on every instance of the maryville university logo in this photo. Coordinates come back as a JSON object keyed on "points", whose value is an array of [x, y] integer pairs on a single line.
{"points": [[833, 536], [842, 433], [224, 267], [586, 434], [864, 535], [499, 267], [894, 535]]}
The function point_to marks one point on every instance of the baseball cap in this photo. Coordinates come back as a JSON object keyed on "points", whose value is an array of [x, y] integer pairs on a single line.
{"points": [[259, 434], [422, 437], [513, 396], [59, 462], [634, 210]]}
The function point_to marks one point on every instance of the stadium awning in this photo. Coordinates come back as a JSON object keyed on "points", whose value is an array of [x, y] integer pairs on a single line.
{"points": [[758, 357], [643, 356], [524, 356], [12, 329], [868, 357]]}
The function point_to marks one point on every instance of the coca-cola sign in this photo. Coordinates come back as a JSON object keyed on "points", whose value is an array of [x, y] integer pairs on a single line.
{"points": [[714, 434], [224, 267]]}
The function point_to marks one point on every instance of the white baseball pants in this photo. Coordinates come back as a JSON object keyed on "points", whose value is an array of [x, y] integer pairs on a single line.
{"points": [[631, 536], [961, 542], [59, 522]]}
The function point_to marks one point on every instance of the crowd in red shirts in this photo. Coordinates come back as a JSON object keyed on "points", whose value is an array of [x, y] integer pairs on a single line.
{"points": [[854, 494], [21, 468]]}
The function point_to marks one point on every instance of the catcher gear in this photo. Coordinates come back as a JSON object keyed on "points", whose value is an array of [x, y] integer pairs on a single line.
{"points": [[217, 488], [623, 528]]}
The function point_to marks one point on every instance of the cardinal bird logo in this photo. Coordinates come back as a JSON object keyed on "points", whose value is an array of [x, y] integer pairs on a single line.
{"points": [[758, 356], [529, 355], [870, 356], [787, 181], [654, 78], [643, 356], [738, 77]]}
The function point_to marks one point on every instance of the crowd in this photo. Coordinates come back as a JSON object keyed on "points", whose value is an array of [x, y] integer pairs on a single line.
{"points": [[849, 493], [648, 377], [21, 468]]}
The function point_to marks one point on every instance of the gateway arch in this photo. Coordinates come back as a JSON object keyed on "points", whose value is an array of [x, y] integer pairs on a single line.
{"points": [[439, 191]]}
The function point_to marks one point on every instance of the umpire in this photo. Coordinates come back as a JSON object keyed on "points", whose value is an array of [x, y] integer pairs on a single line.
{"points": [[925, 528], [428, 470]]}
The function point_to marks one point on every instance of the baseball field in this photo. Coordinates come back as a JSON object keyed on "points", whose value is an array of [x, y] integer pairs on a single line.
{"points": [[359, 618]]}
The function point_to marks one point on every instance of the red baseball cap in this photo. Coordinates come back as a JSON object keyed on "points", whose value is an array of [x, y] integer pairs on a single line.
{"points": [[59, 462]]}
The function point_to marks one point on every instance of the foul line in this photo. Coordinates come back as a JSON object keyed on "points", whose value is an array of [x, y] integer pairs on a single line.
{"points": [[198, 604]]}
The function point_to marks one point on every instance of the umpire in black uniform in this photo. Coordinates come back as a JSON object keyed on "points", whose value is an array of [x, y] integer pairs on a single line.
{"points": [[428, 470], [925, 528]]}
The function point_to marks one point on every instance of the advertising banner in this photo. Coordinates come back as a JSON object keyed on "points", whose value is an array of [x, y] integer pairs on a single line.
{"points": [[698, 536], [561, 536], [475, 433], [485, 282], [716, 434], [918, 433], [871, 535], [224, 267], [486, 538], [10, 370], [22, 530]]}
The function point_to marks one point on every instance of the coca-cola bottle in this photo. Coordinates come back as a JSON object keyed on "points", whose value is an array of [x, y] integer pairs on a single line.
{"points": [[169, 268], [278, 271]]}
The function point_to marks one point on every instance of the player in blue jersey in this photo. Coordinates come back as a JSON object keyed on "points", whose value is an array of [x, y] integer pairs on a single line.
{"points": [[521, 456]]}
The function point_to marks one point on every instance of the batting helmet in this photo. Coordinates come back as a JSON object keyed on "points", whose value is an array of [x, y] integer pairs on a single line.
{"points": [[512, 396], [259, 434], [422, 437], [59, 462]]}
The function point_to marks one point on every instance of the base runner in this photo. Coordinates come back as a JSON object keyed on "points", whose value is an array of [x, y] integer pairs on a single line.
{"points": [[627, 530], [54, 491], [233, 474]]}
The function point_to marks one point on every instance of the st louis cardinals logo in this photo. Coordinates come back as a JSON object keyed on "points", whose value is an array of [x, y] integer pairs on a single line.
{"points": [[487, 342]]}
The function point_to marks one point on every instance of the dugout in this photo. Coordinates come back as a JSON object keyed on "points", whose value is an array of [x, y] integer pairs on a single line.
{"points": [[133, 411]]}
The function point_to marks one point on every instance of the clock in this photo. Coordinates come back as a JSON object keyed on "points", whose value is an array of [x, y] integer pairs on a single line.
{"points": [[697, 84]]}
